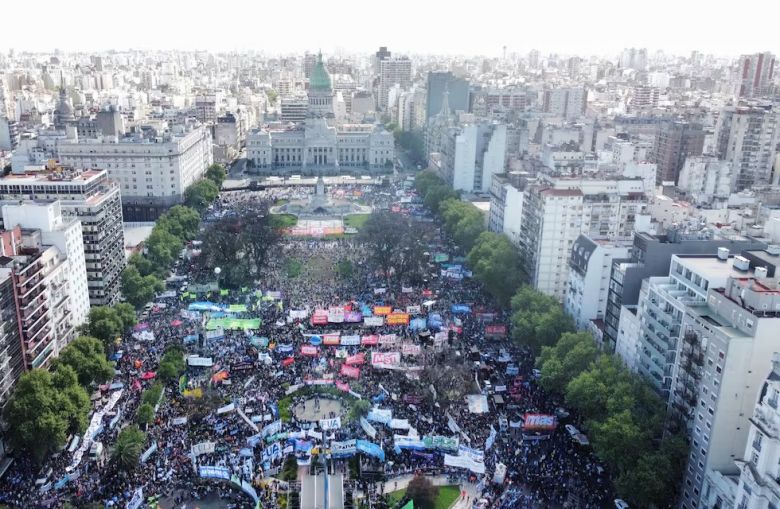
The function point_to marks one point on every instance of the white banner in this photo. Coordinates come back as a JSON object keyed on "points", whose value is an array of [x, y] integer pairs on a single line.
{"points": [[203, 448], [336, 315], [380, 415], [137, 500], [367, 427], [413, 310], [399, 424], [467, 458], [298, 314], [145, 456], [410, 349], [344, 448], [227, 408], [385, 359], [491, 439], [388, 339], [374, 321], [353, 340], [329, 424], [205, 362]]}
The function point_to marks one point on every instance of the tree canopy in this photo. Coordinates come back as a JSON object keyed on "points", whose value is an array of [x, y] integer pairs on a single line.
{"points": [[216, 174], [537, 319], [396, 245], [44, 408], [423, 492], [138, 289], [200, 194], [239, 244], [106, 323], [570, 356], [87, 356], [496, 263], [130, 444]]}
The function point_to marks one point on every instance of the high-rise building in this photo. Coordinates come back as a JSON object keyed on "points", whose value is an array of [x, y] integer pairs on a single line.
{"points": [[152, 171], [558, 209], [457, 89], [379, 56], [472, 154], [755, 75], [706, 179], [63, 233], [48, 293], [675, 141], [568, 103], [747, 136], [294, 108], [644, 97], [11, 358], [727, 342], [589, 263], [393, 71], [651, 255], [206, 108], [90, 197], [309, 61]]}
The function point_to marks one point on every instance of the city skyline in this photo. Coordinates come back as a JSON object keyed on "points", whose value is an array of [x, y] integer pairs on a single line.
{"points": [[435, 27]]}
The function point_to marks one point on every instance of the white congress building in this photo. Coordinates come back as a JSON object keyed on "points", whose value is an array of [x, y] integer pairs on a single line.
{"points": [[316, 146]]}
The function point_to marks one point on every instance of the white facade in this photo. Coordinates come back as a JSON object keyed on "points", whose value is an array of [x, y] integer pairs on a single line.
{"points": [[66, 236], [726, 346], [316, 146], [558, 210], [747, 136], [590, 266], [155, 170], [705, 179], [474, 153], [393, 71], [627, 342]]}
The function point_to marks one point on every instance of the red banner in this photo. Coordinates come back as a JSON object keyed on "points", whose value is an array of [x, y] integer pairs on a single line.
{"points": [[495, 330], [382, 310], [309, 350], [342, 386], [357, 359], [369, 340], [286, 362], [350, 371], [319, 317], [397, 319]]}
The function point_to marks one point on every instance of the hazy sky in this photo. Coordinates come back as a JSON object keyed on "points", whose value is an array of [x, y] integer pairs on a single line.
{"points": [[723, 27]]}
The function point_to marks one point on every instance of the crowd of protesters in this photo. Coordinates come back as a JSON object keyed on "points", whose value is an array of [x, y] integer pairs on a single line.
{"points": [[248, 385]]}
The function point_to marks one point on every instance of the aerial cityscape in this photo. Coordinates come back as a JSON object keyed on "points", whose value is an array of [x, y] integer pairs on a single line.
{"points": [[360, 264]]}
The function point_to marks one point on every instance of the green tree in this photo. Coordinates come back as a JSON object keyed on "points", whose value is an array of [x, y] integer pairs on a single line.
{"points": [[126, 314], [104, 323], [129, 446], [570, 356], [43, 409], [424, 180], [396, 245], [358, 409], [464, 221], [590, 391], [496, 264], [180, 221], [87, 356], [436, 195], [171, 364], [145, 414], [200, 194], [137, 289], [152, 395], [216, 174], [655, 478], [423, 492], [162, 248], [272, 95], [143, 265], [615, 435], [537, 319]]}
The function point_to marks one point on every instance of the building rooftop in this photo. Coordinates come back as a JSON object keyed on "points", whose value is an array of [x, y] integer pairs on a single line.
{"points": [[53, 177], [710, 267]]}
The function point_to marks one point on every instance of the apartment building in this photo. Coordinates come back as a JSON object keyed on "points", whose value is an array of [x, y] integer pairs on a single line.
{"points": [[93, 199]]}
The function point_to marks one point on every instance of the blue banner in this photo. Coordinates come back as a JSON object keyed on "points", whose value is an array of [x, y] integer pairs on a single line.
{"points": [[370, 448]]}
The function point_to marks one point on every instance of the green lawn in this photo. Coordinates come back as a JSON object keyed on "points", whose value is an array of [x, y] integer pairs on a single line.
{"points": [[284, 220], [356, 220], [447, 496]]}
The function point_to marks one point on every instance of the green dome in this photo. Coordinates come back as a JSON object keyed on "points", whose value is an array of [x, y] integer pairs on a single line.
{"points": [[320, 79]]}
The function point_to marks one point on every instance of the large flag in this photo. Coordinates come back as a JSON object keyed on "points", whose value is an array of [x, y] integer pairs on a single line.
{"points": [[409, 505]]}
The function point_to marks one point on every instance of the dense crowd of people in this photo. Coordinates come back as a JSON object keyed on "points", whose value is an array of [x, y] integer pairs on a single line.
{"points": [[231, 412]]}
